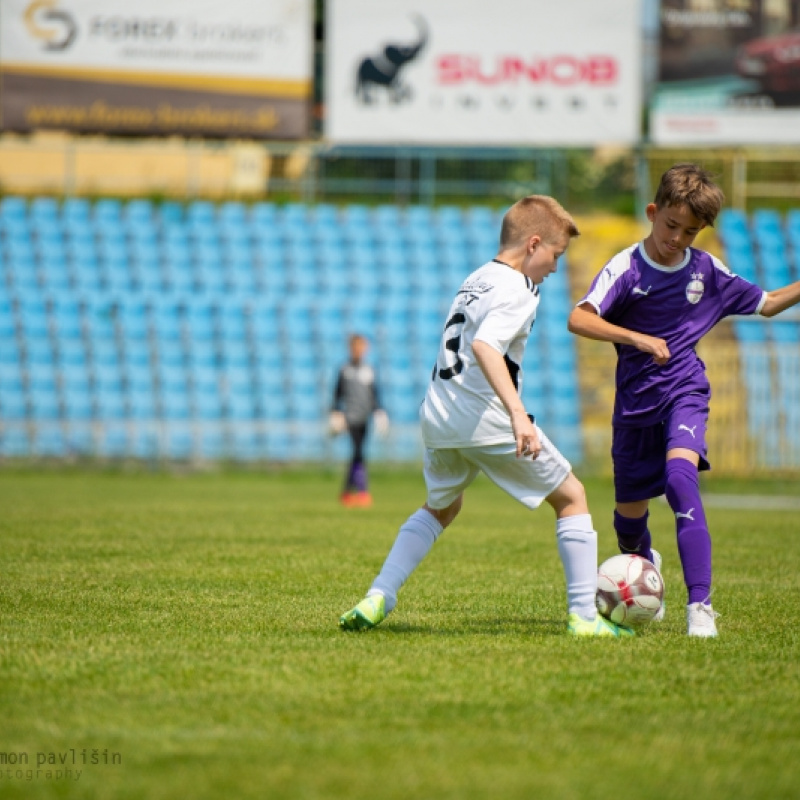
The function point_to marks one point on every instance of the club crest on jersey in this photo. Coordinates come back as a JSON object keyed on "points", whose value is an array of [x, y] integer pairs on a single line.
{"points": [[695, 288]]}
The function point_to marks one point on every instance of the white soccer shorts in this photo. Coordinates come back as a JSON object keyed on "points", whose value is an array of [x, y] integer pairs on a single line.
{"points": [[449, 471]]}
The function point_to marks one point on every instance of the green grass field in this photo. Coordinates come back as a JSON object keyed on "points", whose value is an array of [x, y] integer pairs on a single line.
{"points": [[184, 626]]}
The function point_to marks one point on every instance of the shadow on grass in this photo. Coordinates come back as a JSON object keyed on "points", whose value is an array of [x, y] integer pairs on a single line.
{"points": [[514, 626]]}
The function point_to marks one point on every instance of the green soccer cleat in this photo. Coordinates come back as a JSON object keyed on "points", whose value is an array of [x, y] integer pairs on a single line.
{"points": [[599, 626], [371, 611]]}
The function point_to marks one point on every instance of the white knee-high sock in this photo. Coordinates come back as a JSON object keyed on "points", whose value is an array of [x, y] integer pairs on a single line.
{"points": [[414, 540], [577, 546]]}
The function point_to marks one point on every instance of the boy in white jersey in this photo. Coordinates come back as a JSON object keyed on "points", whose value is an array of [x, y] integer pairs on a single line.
{"points": [[473, 421]]}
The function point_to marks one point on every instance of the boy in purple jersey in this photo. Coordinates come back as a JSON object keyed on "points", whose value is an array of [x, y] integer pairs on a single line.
{"points": [[655, 301]]}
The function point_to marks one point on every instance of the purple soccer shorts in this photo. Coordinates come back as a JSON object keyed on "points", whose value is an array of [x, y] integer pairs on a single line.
{"points": [[640, 454]]}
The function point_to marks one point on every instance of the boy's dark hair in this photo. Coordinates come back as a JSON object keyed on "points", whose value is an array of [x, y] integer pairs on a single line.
{"points": [[692, 186]]}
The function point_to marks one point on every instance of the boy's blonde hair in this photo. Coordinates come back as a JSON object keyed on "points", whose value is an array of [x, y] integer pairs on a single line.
{"points": [[691, 186], [536, 214]]}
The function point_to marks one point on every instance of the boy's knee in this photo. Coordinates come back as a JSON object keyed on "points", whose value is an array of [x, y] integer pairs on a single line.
{"points": [[444, 516], [570, 497]]}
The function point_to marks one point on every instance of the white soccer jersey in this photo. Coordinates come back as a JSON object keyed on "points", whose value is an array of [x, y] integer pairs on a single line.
{"points": [[497, 305]]}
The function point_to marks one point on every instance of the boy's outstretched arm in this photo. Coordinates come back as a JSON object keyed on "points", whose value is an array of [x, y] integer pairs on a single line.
{"points": [[781, 299], [494, 368], [585, 321]]}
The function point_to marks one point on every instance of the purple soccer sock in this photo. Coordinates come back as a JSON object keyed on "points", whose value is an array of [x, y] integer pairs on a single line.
{"points": [[357, 478], [633, 535], [694, 539]]}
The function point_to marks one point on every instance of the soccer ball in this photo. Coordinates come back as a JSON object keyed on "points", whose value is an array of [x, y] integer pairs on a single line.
{"points": [[630, 590]]}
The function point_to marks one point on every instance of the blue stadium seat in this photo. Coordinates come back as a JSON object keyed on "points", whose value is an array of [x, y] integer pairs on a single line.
{"points": [[139, 211], [388, 217], [110, 404], [731, 219], [13, 208], [234, 354], [180, 276], [325, 215], [232, 212], [13, 403], [40, 355], [75, 210], [449, 219], [211, 276], [32, 317], [170, 212], [72, 353], [165, 320], [263, 214], [785, 331], [233, 315], [294, 214], [44, 209], [49, 239], [107, 212], [113, 440], [246, 445], [481, 218], [240, 406], [23, 275], [201, 211], [243, 277], [270, 382], [200, 321], [98, 317], [419, 217], [174, 403], [78, 405], [265, 323], [202, 355], [767, 220], [207, 405], [210, 444], [44, 404], [305, 407], [142, 404], [104, 353], [55, 275], [49, 441], [14, 442]]}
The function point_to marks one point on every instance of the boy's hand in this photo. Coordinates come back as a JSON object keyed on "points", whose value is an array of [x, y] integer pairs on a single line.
{"points": [[381, 419], [527, 438], [337, 423], [656, 347]]}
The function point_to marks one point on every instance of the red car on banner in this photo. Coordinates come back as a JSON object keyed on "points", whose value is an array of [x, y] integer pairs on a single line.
{"points": [[773, 61]]}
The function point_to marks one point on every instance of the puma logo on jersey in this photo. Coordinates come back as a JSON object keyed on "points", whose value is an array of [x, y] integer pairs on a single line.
{"points": [[644, 292], [683, 427], [687, 515]]}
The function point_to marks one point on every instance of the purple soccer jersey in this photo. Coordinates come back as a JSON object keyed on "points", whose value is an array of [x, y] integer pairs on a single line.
{"points": [[679, 304]]}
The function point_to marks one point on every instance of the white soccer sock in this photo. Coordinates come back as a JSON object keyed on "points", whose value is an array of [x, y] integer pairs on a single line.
{"points": [[577, 546], [414, 540]]}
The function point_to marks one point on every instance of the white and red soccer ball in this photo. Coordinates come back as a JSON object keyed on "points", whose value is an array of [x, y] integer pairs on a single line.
{"points": [[630, 590]]}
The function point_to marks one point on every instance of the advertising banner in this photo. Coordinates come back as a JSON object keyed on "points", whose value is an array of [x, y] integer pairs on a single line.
{"points": [[729, 73], [468, 72], [232, 69]]}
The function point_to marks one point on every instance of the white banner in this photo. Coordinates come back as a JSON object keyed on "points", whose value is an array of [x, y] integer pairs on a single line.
{"points": [[233, 67], [468, 72], [728, 75]]}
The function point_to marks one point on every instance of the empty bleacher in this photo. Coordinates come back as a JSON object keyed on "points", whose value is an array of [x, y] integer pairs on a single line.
{"points": [[205, 330], [764, 247]]}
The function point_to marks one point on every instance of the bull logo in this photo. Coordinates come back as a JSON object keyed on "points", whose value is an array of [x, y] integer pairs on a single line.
{"points": [[383, 71]]}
